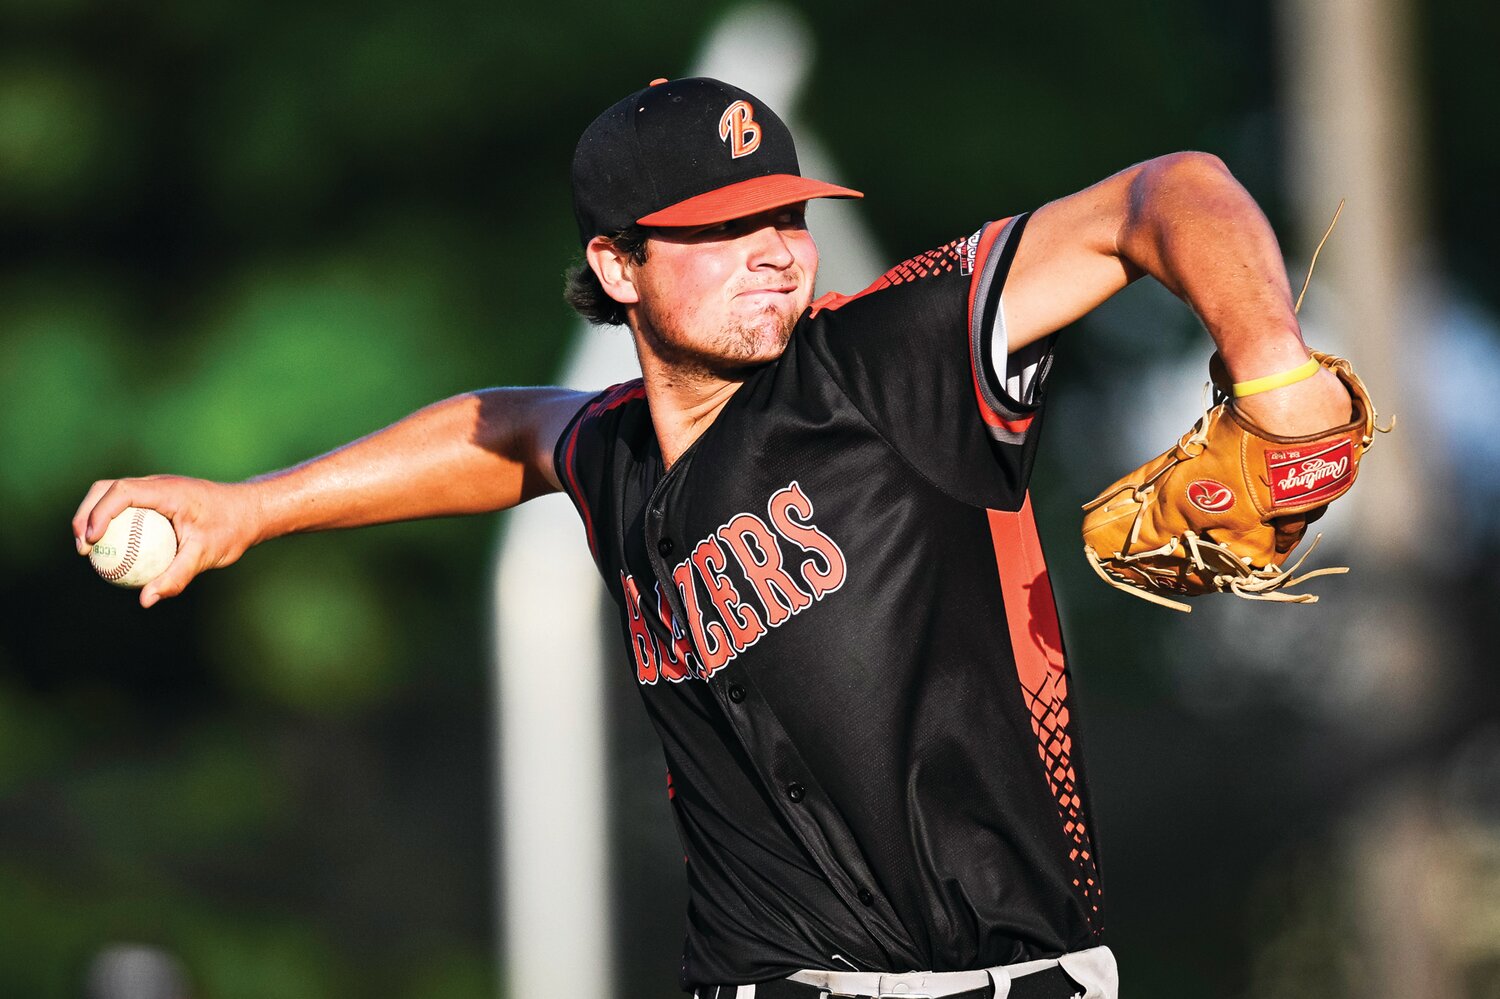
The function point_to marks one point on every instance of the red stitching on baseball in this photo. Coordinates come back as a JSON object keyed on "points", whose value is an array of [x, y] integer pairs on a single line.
{"points": [[132, 547]]}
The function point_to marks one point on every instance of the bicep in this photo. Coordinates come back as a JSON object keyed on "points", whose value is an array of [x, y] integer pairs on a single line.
{"points": [[521, 427], [1068, 261], [553, 414]]}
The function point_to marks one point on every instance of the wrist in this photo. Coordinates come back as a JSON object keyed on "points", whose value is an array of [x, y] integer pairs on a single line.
{"points": [[263, 517], [1282, 379], [1304, 408], [1266, 356]]}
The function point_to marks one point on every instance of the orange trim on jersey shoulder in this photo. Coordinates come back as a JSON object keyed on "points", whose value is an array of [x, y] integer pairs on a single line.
{"points": [[613, 397], [981, 256], [907, 270], [616, 396], [571, 478], [835, 300]]}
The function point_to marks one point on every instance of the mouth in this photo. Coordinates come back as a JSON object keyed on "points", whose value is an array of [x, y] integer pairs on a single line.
{"points": [[775, 289]]}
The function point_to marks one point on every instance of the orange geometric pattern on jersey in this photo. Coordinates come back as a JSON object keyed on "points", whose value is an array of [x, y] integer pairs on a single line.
{"points": [[940, 261], [1036, 640], [929, 264], [1049, 721]]}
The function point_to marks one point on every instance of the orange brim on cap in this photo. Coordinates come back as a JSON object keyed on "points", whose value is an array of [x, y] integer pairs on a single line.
{"points": [[747, 197]]}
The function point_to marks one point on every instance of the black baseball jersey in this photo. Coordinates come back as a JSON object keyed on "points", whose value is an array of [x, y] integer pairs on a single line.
{"points": [[837, 611]]}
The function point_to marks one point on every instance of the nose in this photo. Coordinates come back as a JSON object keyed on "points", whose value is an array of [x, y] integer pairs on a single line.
{"points": [[770, 249]]}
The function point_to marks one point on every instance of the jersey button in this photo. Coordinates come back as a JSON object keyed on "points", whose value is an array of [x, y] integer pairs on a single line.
{"points": [[736, 693], [865, 896], [664, 546], [796, 791]]}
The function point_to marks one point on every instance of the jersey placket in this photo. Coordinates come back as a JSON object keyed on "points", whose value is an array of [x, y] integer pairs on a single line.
{"points": [[819, 827]]}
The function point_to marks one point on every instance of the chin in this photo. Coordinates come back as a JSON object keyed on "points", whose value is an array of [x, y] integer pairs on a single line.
{"points": [[726, 346], [765, 338]]}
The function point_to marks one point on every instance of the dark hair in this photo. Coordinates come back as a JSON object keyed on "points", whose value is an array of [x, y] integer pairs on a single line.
{"points": [[584, 292]]}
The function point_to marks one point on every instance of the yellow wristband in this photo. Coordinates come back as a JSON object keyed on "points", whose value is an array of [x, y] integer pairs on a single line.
{"points": [[1301, 372]]}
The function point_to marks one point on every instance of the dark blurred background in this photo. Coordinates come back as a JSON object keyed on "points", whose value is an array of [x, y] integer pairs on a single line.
{"points": [[234, 235]]}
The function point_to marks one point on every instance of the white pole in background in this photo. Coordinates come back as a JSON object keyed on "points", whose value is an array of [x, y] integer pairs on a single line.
{"points": [[550, 645], [1353, 118], [549, 755]]}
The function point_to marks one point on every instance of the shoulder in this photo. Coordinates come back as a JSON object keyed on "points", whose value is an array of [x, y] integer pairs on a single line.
{"points": [[948, 259], [608, 437], [614, 401], [951, 272], [617, 396], [619, 410]]}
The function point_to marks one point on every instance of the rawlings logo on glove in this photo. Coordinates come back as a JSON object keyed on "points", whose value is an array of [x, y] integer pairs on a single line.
{"points": [[1201, 518], [1210, 496], [1298, 478]]}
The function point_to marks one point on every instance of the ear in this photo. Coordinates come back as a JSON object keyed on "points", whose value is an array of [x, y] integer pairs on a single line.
{"points": [[614, 269]]}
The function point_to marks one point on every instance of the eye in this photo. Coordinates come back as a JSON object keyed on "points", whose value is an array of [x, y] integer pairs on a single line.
{"points": [[792, 217], [718, 230]]}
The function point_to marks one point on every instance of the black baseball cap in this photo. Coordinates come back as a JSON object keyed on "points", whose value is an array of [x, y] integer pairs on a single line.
{"points": [[686, 152]]}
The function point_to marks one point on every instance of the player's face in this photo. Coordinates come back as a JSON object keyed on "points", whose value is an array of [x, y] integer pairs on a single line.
{"points": [[726, 296]]}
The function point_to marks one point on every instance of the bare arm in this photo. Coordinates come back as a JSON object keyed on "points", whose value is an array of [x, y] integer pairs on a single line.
{"points": [[1184, 220], [473, 453]]}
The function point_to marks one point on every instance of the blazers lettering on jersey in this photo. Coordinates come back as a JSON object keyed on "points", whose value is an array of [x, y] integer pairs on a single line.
{"points": [[642, 644], [678, 659], [790, 503], [759, 556], [709, 637], [729, 622], [745, 627]]}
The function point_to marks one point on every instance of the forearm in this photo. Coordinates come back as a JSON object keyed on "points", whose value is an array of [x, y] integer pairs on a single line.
{"points": [[1192, 226], [1189, 224], [1184, 220], [473, 453]]}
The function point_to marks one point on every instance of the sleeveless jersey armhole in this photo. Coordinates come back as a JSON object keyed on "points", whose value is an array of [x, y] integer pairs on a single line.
{"points": [[1007, 386], [571, 448]]}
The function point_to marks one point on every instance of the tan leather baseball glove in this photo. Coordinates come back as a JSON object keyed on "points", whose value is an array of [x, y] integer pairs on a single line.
{"points": [[1203, 517]]}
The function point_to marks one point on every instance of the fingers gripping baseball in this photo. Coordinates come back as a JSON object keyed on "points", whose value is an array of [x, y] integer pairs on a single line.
{"points": [[214, 523], [81, 515], [190, 561]]}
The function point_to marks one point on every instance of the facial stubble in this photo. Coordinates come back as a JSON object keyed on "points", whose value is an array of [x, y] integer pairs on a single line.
{"points": [[738, 347]]}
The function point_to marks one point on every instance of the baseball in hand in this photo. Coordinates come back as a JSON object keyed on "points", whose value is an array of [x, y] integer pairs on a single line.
{"points": [[137, 547]]}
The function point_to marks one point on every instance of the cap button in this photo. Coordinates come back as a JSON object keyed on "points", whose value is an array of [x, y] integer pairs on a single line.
{"points": [[659, 81]]}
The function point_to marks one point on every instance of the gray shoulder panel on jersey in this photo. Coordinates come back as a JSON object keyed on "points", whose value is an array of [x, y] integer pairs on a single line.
{"points": [[987, 321]]}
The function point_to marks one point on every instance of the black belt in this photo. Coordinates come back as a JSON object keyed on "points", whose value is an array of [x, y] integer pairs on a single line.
{"points": [[1050, 983]]}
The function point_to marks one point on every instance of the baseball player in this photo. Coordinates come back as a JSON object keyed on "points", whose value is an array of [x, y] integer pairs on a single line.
{"points": [[812, 515]]}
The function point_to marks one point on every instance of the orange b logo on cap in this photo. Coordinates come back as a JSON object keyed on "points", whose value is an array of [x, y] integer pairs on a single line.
{"points": [[739, 127]]}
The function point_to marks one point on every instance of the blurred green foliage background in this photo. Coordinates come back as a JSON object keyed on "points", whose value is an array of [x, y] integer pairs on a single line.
{"points": [[233, 235]]}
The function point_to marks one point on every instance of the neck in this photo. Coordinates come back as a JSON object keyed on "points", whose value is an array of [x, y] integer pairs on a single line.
{"points": [[684, 400]]}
